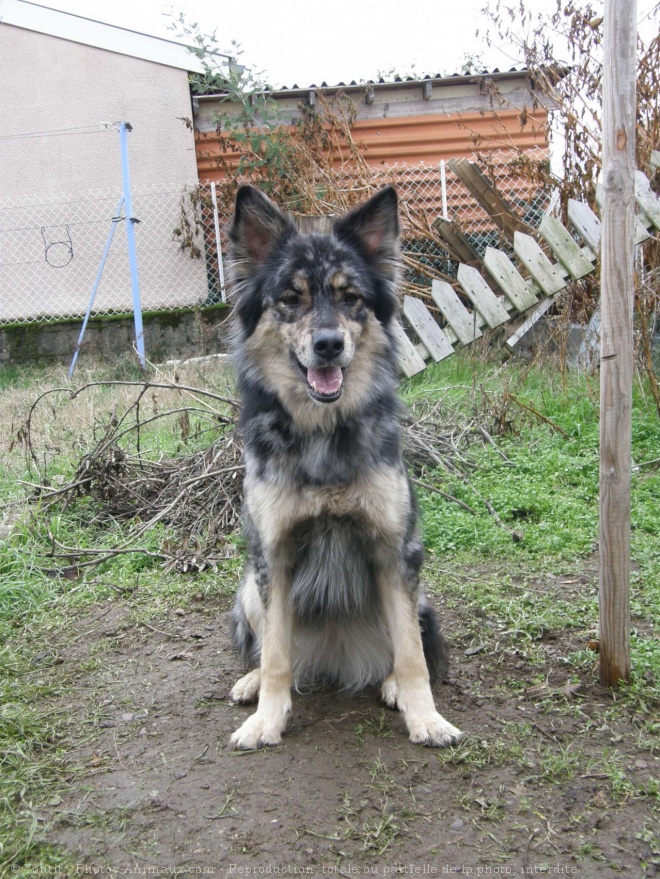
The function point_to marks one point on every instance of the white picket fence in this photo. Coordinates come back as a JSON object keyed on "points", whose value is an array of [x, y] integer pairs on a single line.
{"points": [[525, 292]]}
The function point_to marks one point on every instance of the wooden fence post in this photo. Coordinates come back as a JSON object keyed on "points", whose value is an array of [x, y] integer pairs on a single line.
{"points": [[617, 290]]}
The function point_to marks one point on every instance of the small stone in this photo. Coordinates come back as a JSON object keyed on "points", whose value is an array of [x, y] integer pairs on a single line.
{"points": [[127, 718], [601, 800], [43, 656], [179, 611], [456, 824]]}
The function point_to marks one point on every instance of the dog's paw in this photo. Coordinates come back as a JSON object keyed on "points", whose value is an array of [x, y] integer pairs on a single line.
{"points": [[433, 730], [389, 691], [247, 688], [257, 731]]}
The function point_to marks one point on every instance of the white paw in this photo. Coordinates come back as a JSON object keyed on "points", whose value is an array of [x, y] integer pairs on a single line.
{"points": [[247, 688], [389, 691], [433, 730], [258, 730]]}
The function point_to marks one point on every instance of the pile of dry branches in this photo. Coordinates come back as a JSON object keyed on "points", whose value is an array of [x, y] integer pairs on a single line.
{"points": [[195, 496]]}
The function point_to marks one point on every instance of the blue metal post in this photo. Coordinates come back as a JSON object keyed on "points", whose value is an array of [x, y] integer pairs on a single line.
{"points": [[97, 281], [124, 128]]}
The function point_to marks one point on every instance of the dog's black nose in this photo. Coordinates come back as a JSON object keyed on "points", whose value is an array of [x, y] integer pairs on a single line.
{"points": [[328, 343]]}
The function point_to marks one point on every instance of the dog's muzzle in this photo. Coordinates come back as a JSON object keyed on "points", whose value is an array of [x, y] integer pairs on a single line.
{"points": [[325, 378]]}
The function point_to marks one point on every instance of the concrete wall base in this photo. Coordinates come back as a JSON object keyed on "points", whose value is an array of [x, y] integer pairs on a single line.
{"points": [[167, 335]]}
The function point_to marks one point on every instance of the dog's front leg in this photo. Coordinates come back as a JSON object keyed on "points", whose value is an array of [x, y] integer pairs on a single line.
{"points": [[410, 677], [266, 725]]}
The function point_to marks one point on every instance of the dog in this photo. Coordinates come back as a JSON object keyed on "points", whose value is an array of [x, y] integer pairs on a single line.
{"points": [[331, 587]]}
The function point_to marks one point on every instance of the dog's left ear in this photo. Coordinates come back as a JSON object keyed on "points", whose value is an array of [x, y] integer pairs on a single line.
{"points": [[374, 226], [258, 225]]}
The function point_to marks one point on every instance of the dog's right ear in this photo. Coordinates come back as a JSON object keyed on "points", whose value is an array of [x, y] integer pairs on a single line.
{"points": [[257, 226]]}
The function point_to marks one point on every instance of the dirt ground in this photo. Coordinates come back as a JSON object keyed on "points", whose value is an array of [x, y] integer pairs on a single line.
{"points": [[155, 790]]}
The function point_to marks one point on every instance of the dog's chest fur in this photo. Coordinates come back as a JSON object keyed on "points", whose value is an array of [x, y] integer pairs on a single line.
{"points": [[338, 514], [316, 478]]}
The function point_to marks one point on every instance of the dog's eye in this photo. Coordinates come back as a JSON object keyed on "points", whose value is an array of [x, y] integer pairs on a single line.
{"points": [[350, 298], [291, 300]]}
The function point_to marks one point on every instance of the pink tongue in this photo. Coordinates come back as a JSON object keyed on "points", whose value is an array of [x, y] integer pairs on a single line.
{"points": [[326, 380]]}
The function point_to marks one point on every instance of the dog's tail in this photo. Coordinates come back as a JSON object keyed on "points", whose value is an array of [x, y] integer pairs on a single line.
{"points": [[436, 649]]}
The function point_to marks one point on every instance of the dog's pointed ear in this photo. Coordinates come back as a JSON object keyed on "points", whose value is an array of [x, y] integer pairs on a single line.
{"points": [[257, 226], [374, 226]]}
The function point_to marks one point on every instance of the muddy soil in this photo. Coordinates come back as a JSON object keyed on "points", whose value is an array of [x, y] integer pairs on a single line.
{"points": [[155, 790]]}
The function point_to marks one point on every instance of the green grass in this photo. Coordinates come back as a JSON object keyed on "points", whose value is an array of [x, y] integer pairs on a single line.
{"points": [[549, 490], [547, 493]]}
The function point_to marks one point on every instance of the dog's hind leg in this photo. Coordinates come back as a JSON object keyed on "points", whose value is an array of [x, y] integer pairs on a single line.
{"points": [[247, 620], [409, 684], [389, 691], [266, 725], [246, 689], [246, 625]]}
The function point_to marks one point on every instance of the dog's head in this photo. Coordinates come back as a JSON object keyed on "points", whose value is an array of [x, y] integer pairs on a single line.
{"points": [[314, 310]]}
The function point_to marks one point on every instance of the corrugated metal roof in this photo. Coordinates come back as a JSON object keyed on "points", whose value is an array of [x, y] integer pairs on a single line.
{"points": [[440, 80], [436, 79]]}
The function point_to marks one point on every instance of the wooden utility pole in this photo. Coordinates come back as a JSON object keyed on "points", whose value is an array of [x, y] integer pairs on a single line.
{"points": [[616, 358]]}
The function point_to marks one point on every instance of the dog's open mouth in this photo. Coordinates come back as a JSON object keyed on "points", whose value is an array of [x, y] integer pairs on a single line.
{"points": [[324, 382]]}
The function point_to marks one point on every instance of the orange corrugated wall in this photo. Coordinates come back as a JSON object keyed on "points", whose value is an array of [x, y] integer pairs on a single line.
{"points": [[418, 139]]}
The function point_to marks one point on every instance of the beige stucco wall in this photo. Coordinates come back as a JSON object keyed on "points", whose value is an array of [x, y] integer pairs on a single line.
{"points": [[69, 183], [47, 83]]}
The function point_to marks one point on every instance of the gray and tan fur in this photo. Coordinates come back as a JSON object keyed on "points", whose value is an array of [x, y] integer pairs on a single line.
{"points": [[331, 589]]}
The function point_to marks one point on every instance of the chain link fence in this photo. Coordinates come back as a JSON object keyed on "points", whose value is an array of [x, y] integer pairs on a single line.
{"points": [[51, 249]]}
